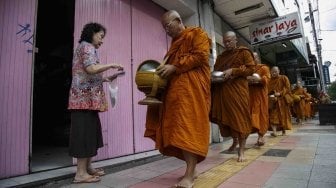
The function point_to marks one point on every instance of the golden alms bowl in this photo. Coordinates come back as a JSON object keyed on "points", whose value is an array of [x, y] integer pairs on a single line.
{"points": [[149, 82], [217, 77], [296, 98]]}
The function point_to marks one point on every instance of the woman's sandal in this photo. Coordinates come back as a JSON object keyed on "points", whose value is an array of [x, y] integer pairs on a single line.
{"points": [[92, 179], [97, 172]]}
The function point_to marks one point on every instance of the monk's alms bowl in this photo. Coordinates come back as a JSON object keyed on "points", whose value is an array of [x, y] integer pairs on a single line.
{"points": [[296, 98], [217, 76], [149, 82], [256, 75]]}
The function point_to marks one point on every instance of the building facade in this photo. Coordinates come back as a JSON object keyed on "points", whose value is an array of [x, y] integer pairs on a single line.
{"points": [[37, 40]]}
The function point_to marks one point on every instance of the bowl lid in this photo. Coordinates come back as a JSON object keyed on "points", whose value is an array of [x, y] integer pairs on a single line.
{"points": [[148, 65], [217, 74]]}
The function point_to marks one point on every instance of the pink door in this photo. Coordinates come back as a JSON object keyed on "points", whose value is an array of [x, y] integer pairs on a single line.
{"points": [[117, 122], [134, 34], [149, 41], [17, 22]]}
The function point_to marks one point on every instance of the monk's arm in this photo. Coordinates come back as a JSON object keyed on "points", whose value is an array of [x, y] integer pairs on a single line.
{"points": [[265, 75], [248, 68], [197, 56], [286, 88]]}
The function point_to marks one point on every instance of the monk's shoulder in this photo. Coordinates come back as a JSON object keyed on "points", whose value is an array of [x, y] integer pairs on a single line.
{"points": [[264, 67], [197, 31], [245, 51], [284, 78], [220, 56]]}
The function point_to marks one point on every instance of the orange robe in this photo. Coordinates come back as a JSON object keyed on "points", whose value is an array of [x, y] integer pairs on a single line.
{"points": [[307, 105], [314, 108], [182, 122], [299, 107], [259, 100], [230, 107], [280, 114]]}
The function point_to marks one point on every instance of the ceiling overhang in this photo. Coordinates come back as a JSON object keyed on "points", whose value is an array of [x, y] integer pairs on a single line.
{"points": [[182, 7], [241, 14]]}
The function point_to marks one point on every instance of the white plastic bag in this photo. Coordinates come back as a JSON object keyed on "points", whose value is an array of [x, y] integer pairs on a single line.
{"points": [[113, 90]]}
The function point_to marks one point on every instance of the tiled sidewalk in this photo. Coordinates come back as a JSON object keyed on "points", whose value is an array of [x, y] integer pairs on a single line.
{"points": [[306, 157], [310, 162]]}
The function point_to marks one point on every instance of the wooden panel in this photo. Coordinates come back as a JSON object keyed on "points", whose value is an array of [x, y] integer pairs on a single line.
{"points": [[17, 21]]}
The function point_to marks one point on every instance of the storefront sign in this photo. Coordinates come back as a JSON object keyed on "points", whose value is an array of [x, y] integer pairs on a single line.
{"points": [[284, 27], [325, 70]]}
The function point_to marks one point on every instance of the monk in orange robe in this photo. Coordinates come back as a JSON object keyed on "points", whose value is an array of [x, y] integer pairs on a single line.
{"points": [[299, 106], [230, 107], [307, 109], [258, 90], [180, 127], [280, 116]]}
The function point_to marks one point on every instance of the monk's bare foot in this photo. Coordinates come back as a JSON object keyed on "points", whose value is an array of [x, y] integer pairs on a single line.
{"points": [[240, 156], [196, 174], [260, 141], [274, 134], [283, 133], [186, 182], [232, 148]]}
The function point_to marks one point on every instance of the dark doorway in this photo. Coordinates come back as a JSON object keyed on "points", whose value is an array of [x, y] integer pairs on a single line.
{"points": [[52, 79]]}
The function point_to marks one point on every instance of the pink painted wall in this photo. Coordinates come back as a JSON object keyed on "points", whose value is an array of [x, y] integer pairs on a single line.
{"points": [[16, 84], [148, 42], [134, 34], [115, 15]]}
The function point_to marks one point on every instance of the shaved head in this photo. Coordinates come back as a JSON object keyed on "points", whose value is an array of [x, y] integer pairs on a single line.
{"points": [[275, 68], [230, 40], [172, 23], [230, 34], [275, 71], [170, 15]]}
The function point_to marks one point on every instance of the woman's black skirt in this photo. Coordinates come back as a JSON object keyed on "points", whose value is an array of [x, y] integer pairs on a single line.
{"points": [[85, 134]]}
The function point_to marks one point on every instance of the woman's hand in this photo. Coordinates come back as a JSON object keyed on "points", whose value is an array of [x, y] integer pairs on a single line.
{"points": [[117, 66], [114, 76], [98, 68]]}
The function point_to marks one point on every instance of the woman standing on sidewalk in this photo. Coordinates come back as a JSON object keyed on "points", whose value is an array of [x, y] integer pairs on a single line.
{"points": [[86, 99]]}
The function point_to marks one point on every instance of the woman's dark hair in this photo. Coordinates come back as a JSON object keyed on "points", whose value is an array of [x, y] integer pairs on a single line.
{"points": [[89, 30]]}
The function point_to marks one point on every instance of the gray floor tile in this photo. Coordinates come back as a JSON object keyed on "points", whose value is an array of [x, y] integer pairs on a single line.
{"points": [[324, 169], [328, 162], [285, 183], [292, 173], [118, 181], [315, 184], [28, 179], [143, 174], [324, 157], [86, 185], [7, 183], [301, 167], [323, 151], [323, 175]]}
